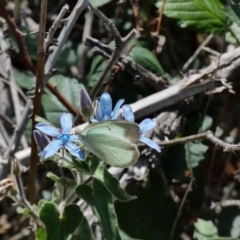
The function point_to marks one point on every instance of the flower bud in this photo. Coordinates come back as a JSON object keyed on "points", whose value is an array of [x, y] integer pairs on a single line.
{"points": [[86, 107], [16, 168], [41, 140]]}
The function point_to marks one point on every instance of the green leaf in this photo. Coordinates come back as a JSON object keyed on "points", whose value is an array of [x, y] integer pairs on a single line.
{"points": [[99, 3], [42, 120], [97, 67], [23, 211], [53, 176], [204, 15], [67, 58], [101, 202], [125, 236], [195, 153], [147, 59], [207, 123], [53, 108], [60, 226], [99, 172], [220, 238], [63, 186], [41, 234], [84, 231], [62, 180], [31, 41], [204, 229], [233, 12], [93, 167], [151, 215], [235, 230], [81, 166], [25, 79], [233, 35]]}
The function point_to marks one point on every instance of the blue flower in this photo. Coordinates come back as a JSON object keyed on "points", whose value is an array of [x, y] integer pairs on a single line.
{"points": [[62, 138], [103, 109], [144, 126]]}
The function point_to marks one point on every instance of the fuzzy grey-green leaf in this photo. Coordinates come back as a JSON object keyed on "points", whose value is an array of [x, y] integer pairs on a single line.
{"points": [[60, 226], [102, 204]]}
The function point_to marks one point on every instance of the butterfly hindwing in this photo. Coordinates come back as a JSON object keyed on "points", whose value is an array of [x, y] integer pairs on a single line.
{"points": [[114, 142]]}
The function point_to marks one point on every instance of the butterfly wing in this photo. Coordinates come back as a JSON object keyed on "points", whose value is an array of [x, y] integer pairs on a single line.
{"points": [[114, 142]]}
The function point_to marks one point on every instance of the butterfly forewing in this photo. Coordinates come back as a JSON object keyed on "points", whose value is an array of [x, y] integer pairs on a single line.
{"points": [[114, 142], [128, 131]]}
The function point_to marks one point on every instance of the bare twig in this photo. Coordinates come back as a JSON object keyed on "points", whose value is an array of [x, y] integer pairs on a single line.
{"points": [[62, 38], [225, 203], [114, 58], [71, 108], [56, 24], [214, 75], [16, 10], [19, 130], [116, 35], [27, 60], [191, 59], [7, 119], [23, 199], [12, 86], [135, 7], [161, 10], [4, 140], [180, 209], [121, 44], [19, 90], [17, 105], [39, 90], [211, 51], [18, 35], [168, 97], [205, 135], [86, 33]]}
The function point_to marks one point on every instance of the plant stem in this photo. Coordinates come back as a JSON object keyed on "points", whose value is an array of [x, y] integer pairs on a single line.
{"points": [[39, 90]]}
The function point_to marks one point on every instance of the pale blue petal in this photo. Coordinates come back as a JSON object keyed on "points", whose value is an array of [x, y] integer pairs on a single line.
{"points": [[106, 106], [75, 150], [150, 143], [92, 119], [59, 137], [116, 108], [99, 114], [66, 122], [74, 138], [146, 125], [51, 148], [128, 113], [47, 129], [97, 111]]}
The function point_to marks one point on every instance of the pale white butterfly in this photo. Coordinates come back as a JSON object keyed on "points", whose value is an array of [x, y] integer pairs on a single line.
{"points": [[114, 142]]}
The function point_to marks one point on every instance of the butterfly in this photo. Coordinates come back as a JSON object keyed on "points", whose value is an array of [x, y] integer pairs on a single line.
{"points": [[114, 142]]}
